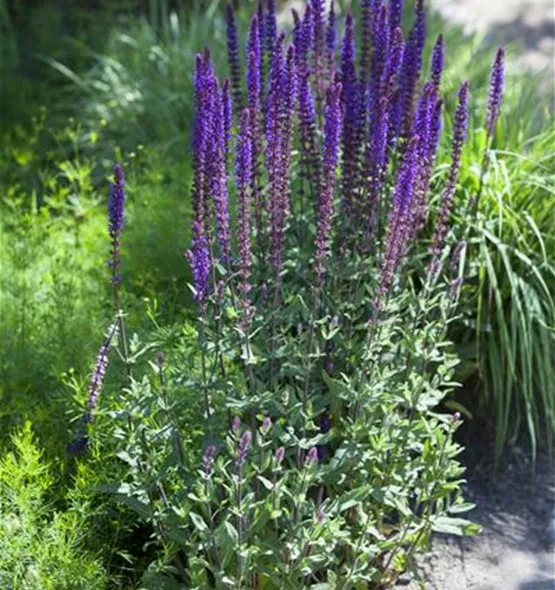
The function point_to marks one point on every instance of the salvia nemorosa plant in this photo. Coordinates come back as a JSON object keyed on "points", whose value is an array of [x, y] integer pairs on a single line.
{"points": [[325, 283]]}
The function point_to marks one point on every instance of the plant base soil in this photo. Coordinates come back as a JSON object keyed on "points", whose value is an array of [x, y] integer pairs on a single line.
{"points": [[515, 550]]}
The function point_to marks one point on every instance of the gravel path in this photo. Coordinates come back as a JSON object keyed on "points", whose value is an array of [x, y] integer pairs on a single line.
{"points": [[515, 549]]}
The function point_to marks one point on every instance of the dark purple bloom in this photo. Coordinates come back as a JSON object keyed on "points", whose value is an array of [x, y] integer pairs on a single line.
{"points": [[282, 102], [243, 179], [243, 447], [325, 422], [261, 22], [423, 127], [352, 99], [116, 205], [411, 67], [318, 19], [312, 457], [236, 425], [395, 14], [495, 91], [199, 260], [228, 116], [97, 379], [266, 425], [218, 176], [399, 221], [233, 57], [332, 129], [270, 32], [459, 136], [279, 456], [365, 39], [254, 93], [435, 129], [201, 139], [331, 41], [305, 41], [381, 48], [311, 165], [436, 67], [208, 459]]}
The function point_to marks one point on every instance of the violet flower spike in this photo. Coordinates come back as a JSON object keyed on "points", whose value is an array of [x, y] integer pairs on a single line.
{"points": [[459, 136], [270, 32], [208, 457], [199, 259], [306, 39], [243, 448], [437, 63], [331, 41], [97, 379], [219, 178], [236, 425], [279, 456], [243, 179], [351, 100], [332, 127], [399, 223], [366, 40], [228, 115], [495, 91], [395, 14], [266, 425], [319, 39], [116, 206], [233, 57], [311, 458]]}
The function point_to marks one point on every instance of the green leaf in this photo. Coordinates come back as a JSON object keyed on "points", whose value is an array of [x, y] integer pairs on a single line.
{"points": [[198, 521], [455, 526]]}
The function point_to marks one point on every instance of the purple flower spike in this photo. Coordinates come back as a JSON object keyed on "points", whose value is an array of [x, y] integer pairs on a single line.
{"points": [[495, 91], [254, 95], [279, 456], [305, 41], [395, 14], [332, 127], [311, 458], [365, 39], [208, 457], [459, 136], [243, 447], [116, 205], [399, 222], [411, 67], [352, 101], [243, 179], [228, 115], [331, 41], [311, 165], [319, 39], [218, 173], [270, 32], [438, 58], [97, 379], [236, 425], [266, 425], [233, 57], [199, 260]]}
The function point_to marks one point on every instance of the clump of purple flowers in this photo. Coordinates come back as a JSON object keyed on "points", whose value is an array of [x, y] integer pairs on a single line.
{"points": [[116, 205]]}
